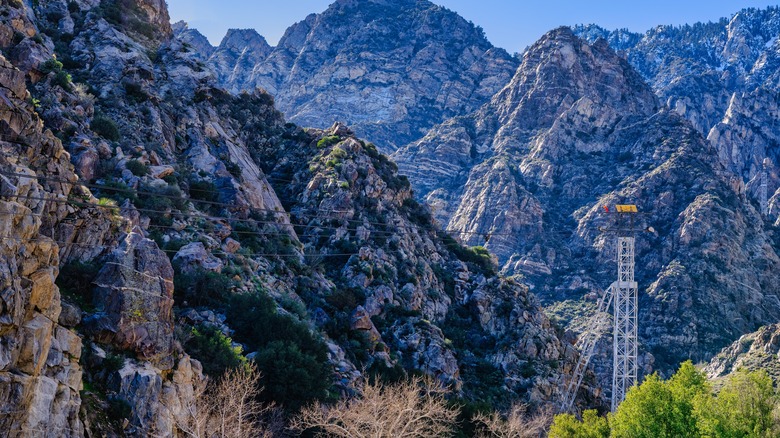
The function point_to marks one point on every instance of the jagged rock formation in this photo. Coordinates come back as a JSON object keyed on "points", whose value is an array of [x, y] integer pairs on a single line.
{"points": [[202, 48], [577, 128], [721, 76], [321, 224], [753, 351], [390, 70], [240, 51], [40, 375], [317, 220]]}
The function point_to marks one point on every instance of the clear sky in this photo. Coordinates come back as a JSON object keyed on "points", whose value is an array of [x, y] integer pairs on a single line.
{"points": [[510, 24]]}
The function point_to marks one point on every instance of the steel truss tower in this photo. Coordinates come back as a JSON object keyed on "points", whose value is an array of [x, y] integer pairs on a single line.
{"points": [[624, 331], [623, 295]]}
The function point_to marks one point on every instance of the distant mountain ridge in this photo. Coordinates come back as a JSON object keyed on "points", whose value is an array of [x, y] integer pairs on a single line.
{"points": [[723, 76], [389, 69]]}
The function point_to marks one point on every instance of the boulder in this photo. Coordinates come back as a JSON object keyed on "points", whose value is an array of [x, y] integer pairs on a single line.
{"points": [[160, 172], [159, 404], [133, 298], [194, 255]]}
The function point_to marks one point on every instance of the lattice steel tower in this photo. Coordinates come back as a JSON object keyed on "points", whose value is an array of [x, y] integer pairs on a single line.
{"points": [[624, 330], [623, 295]]}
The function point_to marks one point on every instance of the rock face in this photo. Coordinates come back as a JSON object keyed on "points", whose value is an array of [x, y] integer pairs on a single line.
{"points": [[722, 76], [201, 46], [390, 70], [753, 351], [53, 220], [237, 55], [577, 128], [133, 299], [40, 375], [159, 405]]}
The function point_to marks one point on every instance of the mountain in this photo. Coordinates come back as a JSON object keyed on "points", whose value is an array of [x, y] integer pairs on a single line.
{"points": [[390, 70], [162, 229], [576, 129], [721, 76]]}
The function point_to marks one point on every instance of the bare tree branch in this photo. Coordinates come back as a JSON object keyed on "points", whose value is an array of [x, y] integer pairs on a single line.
{"points": [[415, 409], [518, 424]]}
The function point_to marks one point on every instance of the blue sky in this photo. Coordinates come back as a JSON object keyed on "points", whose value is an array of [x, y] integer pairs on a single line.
{"points": [[510, 24]]}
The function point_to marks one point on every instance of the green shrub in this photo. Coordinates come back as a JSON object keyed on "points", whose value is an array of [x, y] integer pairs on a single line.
{"points": [[204, 191], [476, 255], [379, 371], [214, 350], [625, 157], [105, 127], [328, 141], [161, 209], [113, 362], [346, 298], [202, 288], [135, 92], [137, 168], [63, 79], [51, 65], [118, 191], [591, 426], [233, 168], [293, 359], [118, 410], [416, 211]]}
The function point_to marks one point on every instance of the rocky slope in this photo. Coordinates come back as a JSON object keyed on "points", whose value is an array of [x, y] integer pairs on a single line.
{"points": [[578, 128], [249, 206], [753, 351], [390, 70], [721, 76]]}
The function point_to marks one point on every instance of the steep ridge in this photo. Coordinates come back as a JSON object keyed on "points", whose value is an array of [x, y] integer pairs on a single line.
{"points": [[319, 222], [577, 128], [389, 69], [722, 76]]}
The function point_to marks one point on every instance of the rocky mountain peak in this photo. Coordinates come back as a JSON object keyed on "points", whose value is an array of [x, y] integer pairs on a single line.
{"points": [[391, 70], [202, 47], [561, 69], [244, 39], [395, 4], [722, 76]]}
